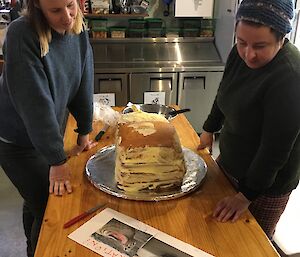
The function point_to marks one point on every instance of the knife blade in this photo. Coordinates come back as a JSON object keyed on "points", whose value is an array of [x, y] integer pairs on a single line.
{"points": [[83, 215], [101, 133]]}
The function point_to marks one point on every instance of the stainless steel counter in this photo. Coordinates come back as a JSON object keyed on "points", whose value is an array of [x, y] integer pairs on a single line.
{"points": [[156, 55], [188, 71]]}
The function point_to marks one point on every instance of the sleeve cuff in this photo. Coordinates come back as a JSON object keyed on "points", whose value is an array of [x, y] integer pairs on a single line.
{"points": [[83, 131], [248, 193], [60, 163]]}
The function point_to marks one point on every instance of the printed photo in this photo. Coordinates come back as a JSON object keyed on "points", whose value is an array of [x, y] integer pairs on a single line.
{"points": [[120, 236]]}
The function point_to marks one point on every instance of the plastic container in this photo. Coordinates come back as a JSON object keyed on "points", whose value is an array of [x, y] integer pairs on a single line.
{"points": [[99, 32], [136, 33], [207, 28], [98, 23], [153, 23], [173, 32], [192, 23], [156, 32], [117, 32], [191, 32], [136, 24]]}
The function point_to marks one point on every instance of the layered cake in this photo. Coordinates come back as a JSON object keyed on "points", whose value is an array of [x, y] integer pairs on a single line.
{"points": [[148, 153]]}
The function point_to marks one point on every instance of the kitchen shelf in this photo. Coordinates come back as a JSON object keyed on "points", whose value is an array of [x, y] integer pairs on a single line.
{"points": [[110, 15]]}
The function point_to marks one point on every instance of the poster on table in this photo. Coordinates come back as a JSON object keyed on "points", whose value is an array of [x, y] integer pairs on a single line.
{"points": [[111, 233]]}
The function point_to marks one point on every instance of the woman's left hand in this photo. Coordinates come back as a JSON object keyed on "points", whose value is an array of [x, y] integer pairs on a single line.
{"points": [[231, 208], [83, 144]]}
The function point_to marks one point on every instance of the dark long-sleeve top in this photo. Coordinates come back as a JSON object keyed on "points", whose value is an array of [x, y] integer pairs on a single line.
{"points": [[259, 113], [36, 91]]}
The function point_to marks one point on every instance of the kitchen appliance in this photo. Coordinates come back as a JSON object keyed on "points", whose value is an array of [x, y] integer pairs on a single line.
{"points": [[197, 90], [115, 83], [153, 82]]}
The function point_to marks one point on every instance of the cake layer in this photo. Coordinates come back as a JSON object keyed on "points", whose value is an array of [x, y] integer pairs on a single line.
{"points": [[167, 173], [158, 155], [151, 186], [155, 133]]}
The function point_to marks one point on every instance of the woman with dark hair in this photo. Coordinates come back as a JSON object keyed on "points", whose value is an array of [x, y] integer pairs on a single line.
{"points": [[48, 68], [257, 110]]}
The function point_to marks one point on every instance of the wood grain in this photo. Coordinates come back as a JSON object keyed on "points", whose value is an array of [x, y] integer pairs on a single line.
{"points": [[187, 218]]}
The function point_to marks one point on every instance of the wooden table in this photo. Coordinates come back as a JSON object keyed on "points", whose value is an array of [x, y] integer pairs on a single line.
{"points": [[188, 218]]}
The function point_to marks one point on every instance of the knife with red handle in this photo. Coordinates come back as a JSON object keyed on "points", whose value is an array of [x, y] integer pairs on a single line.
{"points": [[83, 215]]}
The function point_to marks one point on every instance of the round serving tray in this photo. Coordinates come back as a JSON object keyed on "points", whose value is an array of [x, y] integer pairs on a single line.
{"points": [[100, 170]]}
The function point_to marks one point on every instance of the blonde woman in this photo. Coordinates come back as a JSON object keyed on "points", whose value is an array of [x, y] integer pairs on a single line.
{"points": [[48, 69]]}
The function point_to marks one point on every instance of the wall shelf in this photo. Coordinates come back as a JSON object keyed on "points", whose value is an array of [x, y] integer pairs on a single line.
{"points": [[117, 16]]}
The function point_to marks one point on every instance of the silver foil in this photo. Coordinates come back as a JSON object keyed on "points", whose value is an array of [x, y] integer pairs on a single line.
{"points": [[100, 170]]}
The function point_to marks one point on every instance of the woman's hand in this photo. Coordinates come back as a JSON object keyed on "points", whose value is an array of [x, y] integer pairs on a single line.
{"points": [[59, 178], [206, 141], [83, 144], [231, 208]]}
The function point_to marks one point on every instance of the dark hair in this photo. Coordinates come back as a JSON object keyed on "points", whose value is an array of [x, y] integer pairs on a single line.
{"points": [[278, 35]]}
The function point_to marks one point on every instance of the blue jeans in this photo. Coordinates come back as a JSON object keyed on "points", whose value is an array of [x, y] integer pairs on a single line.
{"points": [[29, 172]]}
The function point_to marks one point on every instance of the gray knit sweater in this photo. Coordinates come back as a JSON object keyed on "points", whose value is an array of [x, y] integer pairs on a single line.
{"points": [[35, 92], [260, 113]]}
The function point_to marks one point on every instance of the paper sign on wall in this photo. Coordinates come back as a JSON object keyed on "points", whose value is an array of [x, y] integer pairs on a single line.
{"points": [[194, 8], [154, 97], [107, 99]]}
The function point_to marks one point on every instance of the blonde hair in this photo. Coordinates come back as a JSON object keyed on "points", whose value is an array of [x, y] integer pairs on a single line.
{"points": [[39, 22]]}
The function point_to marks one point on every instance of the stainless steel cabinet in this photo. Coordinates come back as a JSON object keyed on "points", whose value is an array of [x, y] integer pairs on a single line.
{"points": [[113, 83], [153, 82], [197, 90]]}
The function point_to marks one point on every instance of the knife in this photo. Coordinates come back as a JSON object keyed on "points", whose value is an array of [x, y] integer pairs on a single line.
{"points": [[101, 133], [83, 215], [173, 113]]}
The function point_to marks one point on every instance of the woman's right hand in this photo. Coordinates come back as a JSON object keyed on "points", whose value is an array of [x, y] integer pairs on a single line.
{"points": [[206, 141], [59, 178]]}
